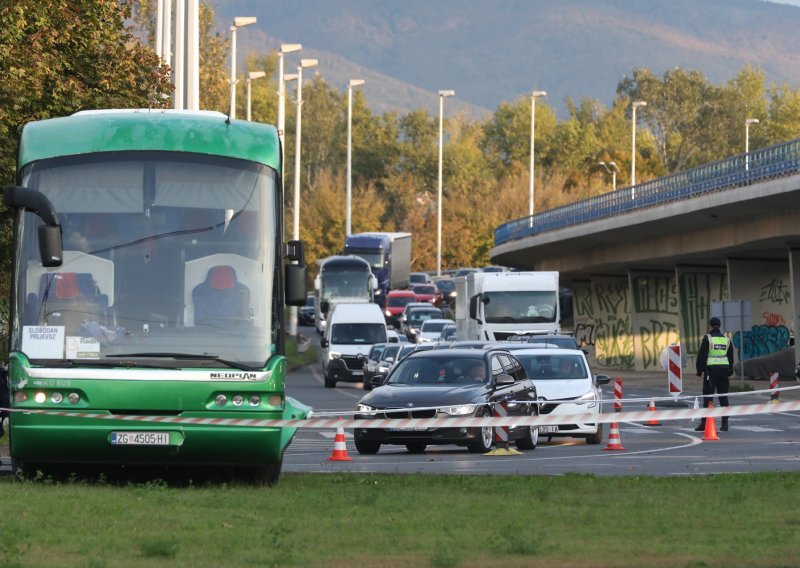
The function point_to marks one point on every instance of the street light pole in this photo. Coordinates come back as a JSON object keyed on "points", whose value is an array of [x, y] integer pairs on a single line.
{"points": [[747, 124], [611, 167], [350, 85], [442, 95], [298, 140], [285, 48], [238, 22], [635, 105], [252, 76], [534, 96]]}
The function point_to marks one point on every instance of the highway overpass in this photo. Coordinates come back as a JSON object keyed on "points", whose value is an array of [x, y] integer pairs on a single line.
{"points": [[645, 262]]}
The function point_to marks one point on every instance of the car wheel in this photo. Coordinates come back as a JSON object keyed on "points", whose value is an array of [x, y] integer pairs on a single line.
{"points": [[529, 440], [329, 382], [597, 437], [485, 437], [366, 447], [416, 447]]}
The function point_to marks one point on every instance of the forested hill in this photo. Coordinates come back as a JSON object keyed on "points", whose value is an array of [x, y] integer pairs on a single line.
{"points": [[494, 50]]}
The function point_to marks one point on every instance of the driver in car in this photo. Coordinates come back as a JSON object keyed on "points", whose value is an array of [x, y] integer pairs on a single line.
{"points": [[478, 373]]}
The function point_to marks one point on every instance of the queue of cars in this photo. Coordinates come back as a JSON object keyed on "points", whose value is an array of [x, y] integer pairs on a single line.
{"points": [[433, 381]]}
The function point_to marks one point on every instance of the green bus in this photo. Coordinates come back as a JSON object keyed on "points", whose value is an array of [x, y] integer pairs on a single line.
{"points": [[150, 279]]}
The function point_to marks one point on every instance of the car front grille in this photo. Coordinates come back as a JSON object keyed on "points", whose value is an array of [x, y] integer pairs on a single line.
{"points": [[402, 413], [352, 362]]}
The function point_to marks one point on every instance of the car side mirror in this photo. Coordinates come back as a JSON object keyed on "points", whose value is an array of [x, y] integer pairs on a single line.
{"points": [[504, 379], [377, 380], [324, 343], [324, 306], [602, 379]]}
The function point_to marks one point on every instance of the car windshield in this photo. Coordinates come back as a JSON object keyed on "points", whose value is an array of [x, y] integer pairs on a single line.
{"points": [[446, 285], [424, 289], [390, 351], [376, 352], [520, 306], [554, 367], [433, 326], [354, 333], [417, 278], [398, 301], [432, 371], [418, 316], [562, 342]]}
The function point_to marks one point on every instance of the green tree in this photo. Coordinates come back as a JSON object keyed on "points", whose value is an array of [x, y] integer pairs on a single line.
{"points": [[675, 104]]}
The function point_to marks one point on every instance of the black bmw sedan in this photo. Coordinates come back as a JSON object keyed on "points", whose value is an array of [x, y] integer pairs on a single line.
{"points": [[445, 384]]}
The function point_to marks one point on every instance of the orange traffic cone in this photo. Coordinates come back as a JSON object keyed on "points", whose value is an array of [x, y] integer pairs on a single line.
{"points": [[339, 446], [613, 438], [652, 422], [711, 427]]}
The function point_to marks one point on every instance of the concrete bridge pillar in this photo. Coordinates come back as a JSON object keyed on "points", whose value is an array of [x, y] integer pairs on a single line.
{"points": [[767, 284], [697, 287], [654, 316], [794, 276]]}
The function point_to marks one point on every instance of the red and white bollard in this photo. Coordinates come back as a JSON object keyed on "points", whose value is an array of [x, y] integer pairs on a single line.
{"points": [[617, 394], [774, 394], [675, 380]]}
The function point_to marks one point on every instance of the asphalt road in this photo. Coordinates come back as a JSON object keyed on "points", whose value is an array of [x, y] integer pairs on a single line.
{"points": [[768, 442]]}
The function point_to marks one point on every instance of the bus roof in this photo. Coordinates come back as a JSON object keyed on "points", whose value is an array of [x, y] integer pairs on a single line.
{"points": [[149, 130]]}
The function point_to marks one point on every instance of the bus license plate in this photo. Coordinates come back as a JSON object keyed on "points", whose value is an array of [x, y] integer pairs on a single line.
{"points": [[140, 438]]}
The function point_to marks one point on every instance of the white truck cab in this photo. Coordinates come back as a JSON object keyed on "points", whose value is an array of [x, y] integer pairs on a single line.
{"points": [[493, 306]]}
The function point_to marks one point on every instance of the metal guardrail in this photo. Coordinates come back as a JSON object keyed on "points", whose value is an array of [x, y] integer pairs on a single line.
{"points": [[776, 161]]}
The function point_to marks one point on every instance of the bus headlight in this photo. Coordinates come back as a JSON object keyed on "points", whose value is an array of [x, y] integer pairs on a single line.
{"points": [[73, 398], [221, 400], [40, 397], [237, 400], [57, 397]]}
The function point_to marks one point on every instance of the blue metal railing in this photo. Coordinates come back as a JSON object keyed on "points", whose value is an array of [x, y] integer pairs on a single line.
{"points": [[776, 161]]}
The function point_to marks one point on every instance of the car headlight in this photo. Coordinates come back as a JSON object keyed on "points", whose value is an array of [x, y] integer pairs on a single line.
{"points": [[460, 410], [365, 409], [387, 313], [333, 355], [412, 329], [588, 397], [382, 369]]}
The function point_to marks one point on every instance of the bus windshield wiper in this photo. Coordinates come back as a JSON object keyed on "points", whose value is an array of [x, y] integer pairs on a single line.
{"points": [[190, 356]]}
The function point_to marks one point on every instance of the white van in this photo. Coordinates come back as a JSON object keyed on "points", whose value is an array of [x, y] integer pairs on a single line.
{"points": [[351, 331]]}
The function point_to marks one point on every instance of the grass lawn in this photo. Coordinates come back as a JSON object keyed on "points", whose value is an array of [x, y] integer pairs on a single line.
{"points": [[413, 520]]}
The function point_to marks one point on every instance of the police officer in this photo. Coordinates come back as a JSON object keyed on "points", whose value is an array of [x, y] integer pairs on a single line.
{"points": [[715, 365]]}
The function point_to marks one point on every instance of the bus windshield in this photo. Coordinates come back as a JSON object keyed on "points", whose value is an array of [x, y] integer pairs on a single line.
{"points": [[165, 254], [345, 284]]}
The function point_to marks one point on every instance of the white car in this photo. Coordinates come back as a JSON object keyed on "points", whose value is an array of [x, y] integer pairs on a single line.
{"points": [[565, 385], [431, 330]]}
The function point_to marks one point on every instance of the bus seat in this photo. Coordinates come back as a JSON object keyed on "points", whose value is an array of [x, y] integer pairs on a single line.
{"points": [[221, 300], [71, 298]]}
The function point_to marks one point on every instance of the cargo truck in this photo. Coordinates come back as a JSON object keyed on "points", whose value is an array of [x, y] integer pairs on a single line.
{"points": [[493, 306], [389, 256]]}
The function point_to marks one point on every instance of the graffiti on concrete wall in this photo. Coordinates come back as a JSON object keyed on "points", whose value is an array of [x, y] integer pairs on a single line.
{"points": [[697, 291], [583, 315], [654, 317], [776, 292], [765, 284], [613, 331], [761, 340]]}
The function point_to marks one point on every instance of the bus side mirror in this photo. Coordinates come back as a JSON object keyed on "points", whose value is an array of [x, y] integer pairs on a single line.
{"points": [[50, 247], [295, 280]]}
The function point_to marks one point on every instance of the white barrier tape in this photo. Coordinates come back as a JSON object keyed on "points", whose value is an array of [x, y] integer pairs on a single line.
{"points": [[452, 422]]}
